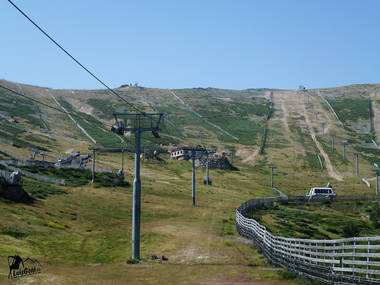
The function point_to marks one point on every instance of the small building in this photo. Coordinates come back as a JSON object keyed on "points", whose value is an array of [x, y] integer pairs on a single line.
{"points": [[186, 152]]}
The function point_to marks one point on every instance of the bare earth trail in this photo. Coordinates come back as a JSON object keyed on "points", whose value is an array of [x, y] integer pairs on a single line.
{"points": [[251, 158], [286, 107], [329, 167], [285, 119], [292, 104]]}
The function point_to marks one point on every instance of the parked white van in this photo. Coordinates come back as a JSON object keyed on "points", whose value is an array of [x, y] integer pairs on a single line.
{"points": [[321, 191]]}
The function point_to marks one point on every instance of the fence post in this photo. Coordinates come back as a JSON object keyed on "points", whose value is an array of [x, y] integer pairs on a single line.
{"points": [[342, 257], [353, 258], [368, 251]]}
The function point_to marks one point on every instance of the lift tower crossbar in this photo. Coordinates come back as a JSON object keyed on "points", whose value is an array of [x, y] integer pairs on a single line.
{"points": [[137, 123]]}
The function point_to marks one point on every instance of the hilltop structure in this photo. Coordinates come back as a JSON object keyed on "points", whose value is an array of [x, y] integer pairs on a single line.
{"points": [[185, 152]]}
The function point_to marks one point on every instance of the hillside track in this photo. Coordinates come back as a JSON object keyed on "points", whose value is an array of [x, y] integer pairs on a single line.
{"points": [[252, 157], [285, 118], [330, 170], [293, 105], [287, 112]]}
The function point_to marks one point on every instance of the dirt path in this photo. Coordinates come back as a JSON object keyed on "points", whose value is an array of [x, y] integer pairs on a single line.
{"points": [[329, 167], [285, 120], [287, 103], [251, 158]]}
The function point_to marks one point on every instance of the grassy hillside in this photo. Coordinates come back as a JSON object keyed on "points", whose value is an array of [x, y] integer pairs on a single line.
{"points": [[82, 232], [322, 220]]}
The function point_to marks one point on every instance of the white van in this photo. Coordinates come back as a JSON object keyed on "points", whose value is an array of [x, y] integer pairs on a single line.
{"points": [[321, 191]]}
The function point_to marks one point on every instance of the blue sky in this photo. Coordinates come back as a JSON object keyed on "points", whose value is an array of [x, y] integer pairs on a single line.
{"points": [[183, 44]]}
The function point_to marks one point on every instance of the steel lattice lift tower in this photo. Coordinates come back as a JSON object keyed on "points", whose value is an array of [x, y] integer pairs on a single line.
{"points": [[137, 123]]}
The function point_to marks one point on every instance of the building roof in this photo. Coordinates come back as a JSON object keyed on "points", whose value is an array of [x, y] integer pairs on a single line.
{"points": [[188, 148]]}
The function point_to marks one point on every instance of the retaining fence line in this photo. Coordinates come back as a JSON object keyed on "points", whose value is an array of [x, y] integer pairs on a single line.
{"points": [[341, 261], [38, 177], [5, 175]]}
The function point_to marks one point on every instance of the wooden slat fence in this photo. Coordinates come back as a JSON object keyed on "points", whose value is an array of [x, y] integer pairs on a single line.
{"points": [[341, 261]]}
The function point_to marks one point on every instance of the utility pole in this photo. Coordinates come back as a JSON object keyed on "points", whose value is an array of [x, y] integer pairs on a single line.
{"points": [[357, 162], [323, 128], [137, 123], [232, 155], [93, 166], [122, 161], [344, 144], [377, 170], [207, 180], [193, 177], [271, 177], [332, 141], [200, 138]]}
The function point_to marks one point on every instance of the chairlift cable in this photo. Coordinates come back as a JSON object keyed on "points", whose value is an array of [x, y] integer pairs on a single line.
{"points": [[73, 58], [42, 103]]}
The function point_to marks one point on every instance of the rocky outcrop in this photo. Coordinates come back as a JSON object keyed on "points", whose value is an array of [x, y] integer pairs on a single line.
{"points": [[12, 191], [215, 163]]}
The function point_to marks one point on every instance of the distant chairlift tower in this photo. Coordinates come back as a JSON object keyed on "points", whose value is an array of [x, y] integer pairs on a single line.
{"points": [[332, 134], [207, 180], [357, 162], [377, 170], [271, 176], [137, 123], [323, 128], [344, 144]]}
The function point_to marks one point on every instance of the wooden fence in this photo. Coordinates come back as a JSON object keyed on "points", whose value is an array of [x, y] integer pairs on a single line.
{"points": [[342, 261]]}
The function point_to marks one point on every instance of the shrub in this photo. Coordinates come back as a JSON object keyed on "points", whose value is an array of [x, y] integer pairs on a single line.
{"points": [[351, 230], [287, 275], [132, 261], [41, 190]]}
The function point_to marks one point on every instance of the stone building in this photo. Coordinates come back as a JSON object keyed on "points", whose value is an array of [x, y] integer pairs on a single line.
{"points": [[186, 152]]}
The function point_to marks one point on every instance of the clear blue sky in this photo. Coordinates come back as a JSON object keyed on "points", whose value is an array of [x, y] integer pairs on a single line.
{"points": [[197, 43]]}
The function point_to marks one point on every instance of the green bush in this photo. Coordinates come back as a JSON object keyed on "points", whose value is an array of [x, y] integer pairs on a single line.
{"points": [[132, 261], [41, 190], [76, 177], [351, 230], [287, 275], [351, 109]]}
